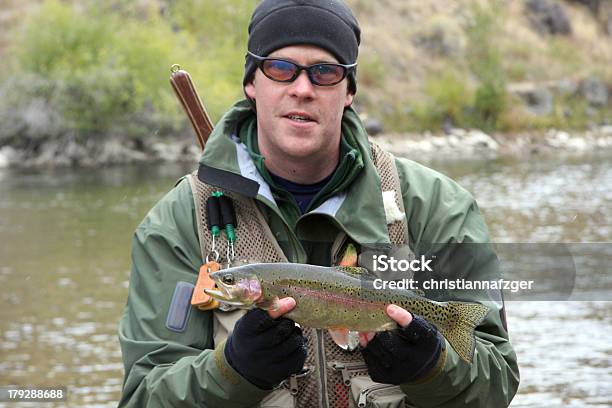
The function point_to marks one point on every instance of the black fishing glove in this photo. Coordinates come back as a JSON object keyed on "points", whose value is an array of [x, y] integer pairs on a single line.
{"points": [[265, 351], [404, 354]]}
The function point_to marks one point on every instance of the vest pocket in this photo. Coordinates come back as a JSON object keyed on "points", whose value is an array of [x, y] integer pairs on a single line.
{"points": [[341, 374], [369, 394], [348, 369], [286, 394]]}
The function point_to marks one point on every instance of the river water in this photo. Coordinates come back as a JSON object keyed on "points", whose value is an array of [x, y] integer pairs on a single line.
{"points": [[64, 265]]}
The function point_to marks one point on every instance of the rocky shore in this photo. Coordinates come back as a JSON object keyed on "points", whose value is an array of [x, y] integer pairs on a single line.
{"points": [[457, 144], [466, 144], [111, 151]]}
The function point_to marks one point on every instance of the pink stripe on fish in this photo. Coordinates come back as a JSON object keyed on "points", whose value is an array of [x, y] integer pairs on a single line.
{"points": [[334, 297]]}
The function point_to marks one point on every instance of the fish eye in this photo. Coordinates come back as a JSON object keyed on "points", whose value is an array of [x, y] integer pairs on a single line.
{"points": [[228, 279]]}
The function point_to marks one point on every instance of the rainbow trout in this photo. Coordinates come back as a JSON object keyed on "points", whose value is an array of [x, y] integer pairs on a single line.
{"points": [[342, 298]]}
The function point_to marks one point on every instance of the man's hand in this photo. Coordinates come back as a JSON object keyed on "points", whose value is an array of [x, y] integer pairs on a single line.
{"points": [[405, 354], [285, 305], [401, 316], [266, 348]]}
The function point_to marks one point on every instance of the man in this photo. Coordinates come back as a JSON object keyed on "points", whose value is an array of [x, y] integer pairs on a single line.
{"points": [[298, 166]]}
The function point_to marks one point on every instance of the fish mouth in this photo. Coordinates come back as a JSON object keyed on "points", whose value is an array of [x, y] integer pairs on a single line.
{"points": [[244, 293]]}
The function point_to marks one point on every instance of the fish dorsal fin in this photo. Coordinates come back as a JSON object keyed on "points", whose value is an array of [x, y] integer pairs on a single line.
{"points": [[356, 272], [419, 292]]}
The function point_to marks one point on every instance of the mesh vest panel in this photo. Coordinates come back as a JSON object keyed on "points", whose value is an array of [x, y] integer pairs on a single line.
{"points": [[256, 243]]}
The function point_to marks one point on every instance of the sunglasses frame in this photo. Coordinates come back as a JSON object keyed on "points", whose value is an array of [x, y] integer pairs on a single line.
{"points": [[259, 61]]}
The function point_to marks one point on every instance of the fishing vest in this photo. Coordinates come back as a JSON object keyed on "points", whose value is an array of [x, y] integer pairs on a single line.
{"points": [[332, 377]]}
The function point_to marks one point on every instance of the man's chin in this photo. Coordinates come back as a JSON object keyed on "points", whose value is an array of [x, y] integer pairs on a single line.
{"points": [[298, 131], [300, 148], [299, 153]]}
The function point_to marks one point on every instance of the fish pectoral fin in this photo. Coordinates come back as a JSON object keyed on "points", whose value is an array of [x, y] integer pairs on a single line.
{"points": [[340, 336], [344, 338], [388, 326], [339, 329], [270, 304]]}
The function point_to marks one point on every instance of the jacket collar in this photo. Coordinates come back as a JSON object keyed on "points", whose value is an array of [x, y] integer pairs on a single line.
{"points": [[358, 209]]}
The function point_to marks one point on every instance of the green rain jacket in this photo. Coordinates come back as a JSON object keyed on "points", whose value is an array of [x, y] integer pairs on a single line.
{"points": [[165, 368]]}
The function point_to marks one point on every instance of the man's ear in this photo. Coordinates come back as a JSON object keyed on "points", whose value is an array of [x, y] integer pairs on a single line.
{"points": [[349, 99], [249, 89]]}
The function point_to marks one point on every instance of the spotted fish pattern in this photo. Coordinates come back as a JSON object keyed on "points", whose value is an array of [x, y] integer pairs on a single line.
{"points": [[344, 298]]}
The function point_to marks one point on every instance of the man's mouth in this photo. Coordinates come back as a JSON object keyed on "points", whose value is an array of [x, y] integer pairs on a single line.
{"points": [[300, 117]]}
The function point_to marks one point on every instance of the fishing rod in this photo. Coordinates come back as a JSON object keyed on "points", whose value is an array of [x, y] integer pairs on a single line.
{"points": [[192, 104], [187, 95]]}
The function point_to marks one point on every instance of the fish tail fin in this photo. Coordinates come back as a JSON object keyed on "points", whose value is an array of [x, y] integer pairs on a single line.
{"points": [[459, 329]]}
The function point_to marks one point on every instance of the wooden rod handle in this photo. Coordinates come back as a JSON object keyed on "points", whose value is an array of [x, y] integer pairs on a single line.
{"points": [[192, 104]]}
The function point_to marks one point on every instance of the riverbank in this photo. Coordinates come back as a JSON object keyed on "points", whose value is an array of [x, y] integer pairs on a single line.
{"points": [[95, 153], [458, 144], [466, 144]]}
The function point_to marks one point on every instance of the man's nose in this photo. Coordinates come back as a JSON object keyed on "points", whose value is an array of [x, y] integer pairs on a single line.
{"points": [[301, 86]]}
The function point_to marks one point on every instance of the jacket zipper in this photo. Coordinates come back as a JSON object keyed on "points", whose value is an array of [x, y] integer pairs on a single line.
{"points": [[346, 368], [292, 382], [363, 395], [298, 253], [323, 403]]}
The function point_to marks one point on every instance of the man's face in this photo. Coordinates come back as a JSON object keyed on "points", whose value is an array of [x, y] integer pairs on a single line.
{"points": [[280, 132]]}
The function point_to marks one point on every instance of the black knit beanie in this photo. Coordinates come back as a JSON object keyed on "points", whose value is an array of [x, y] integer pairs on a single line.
{"points": [[328, 24]]}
